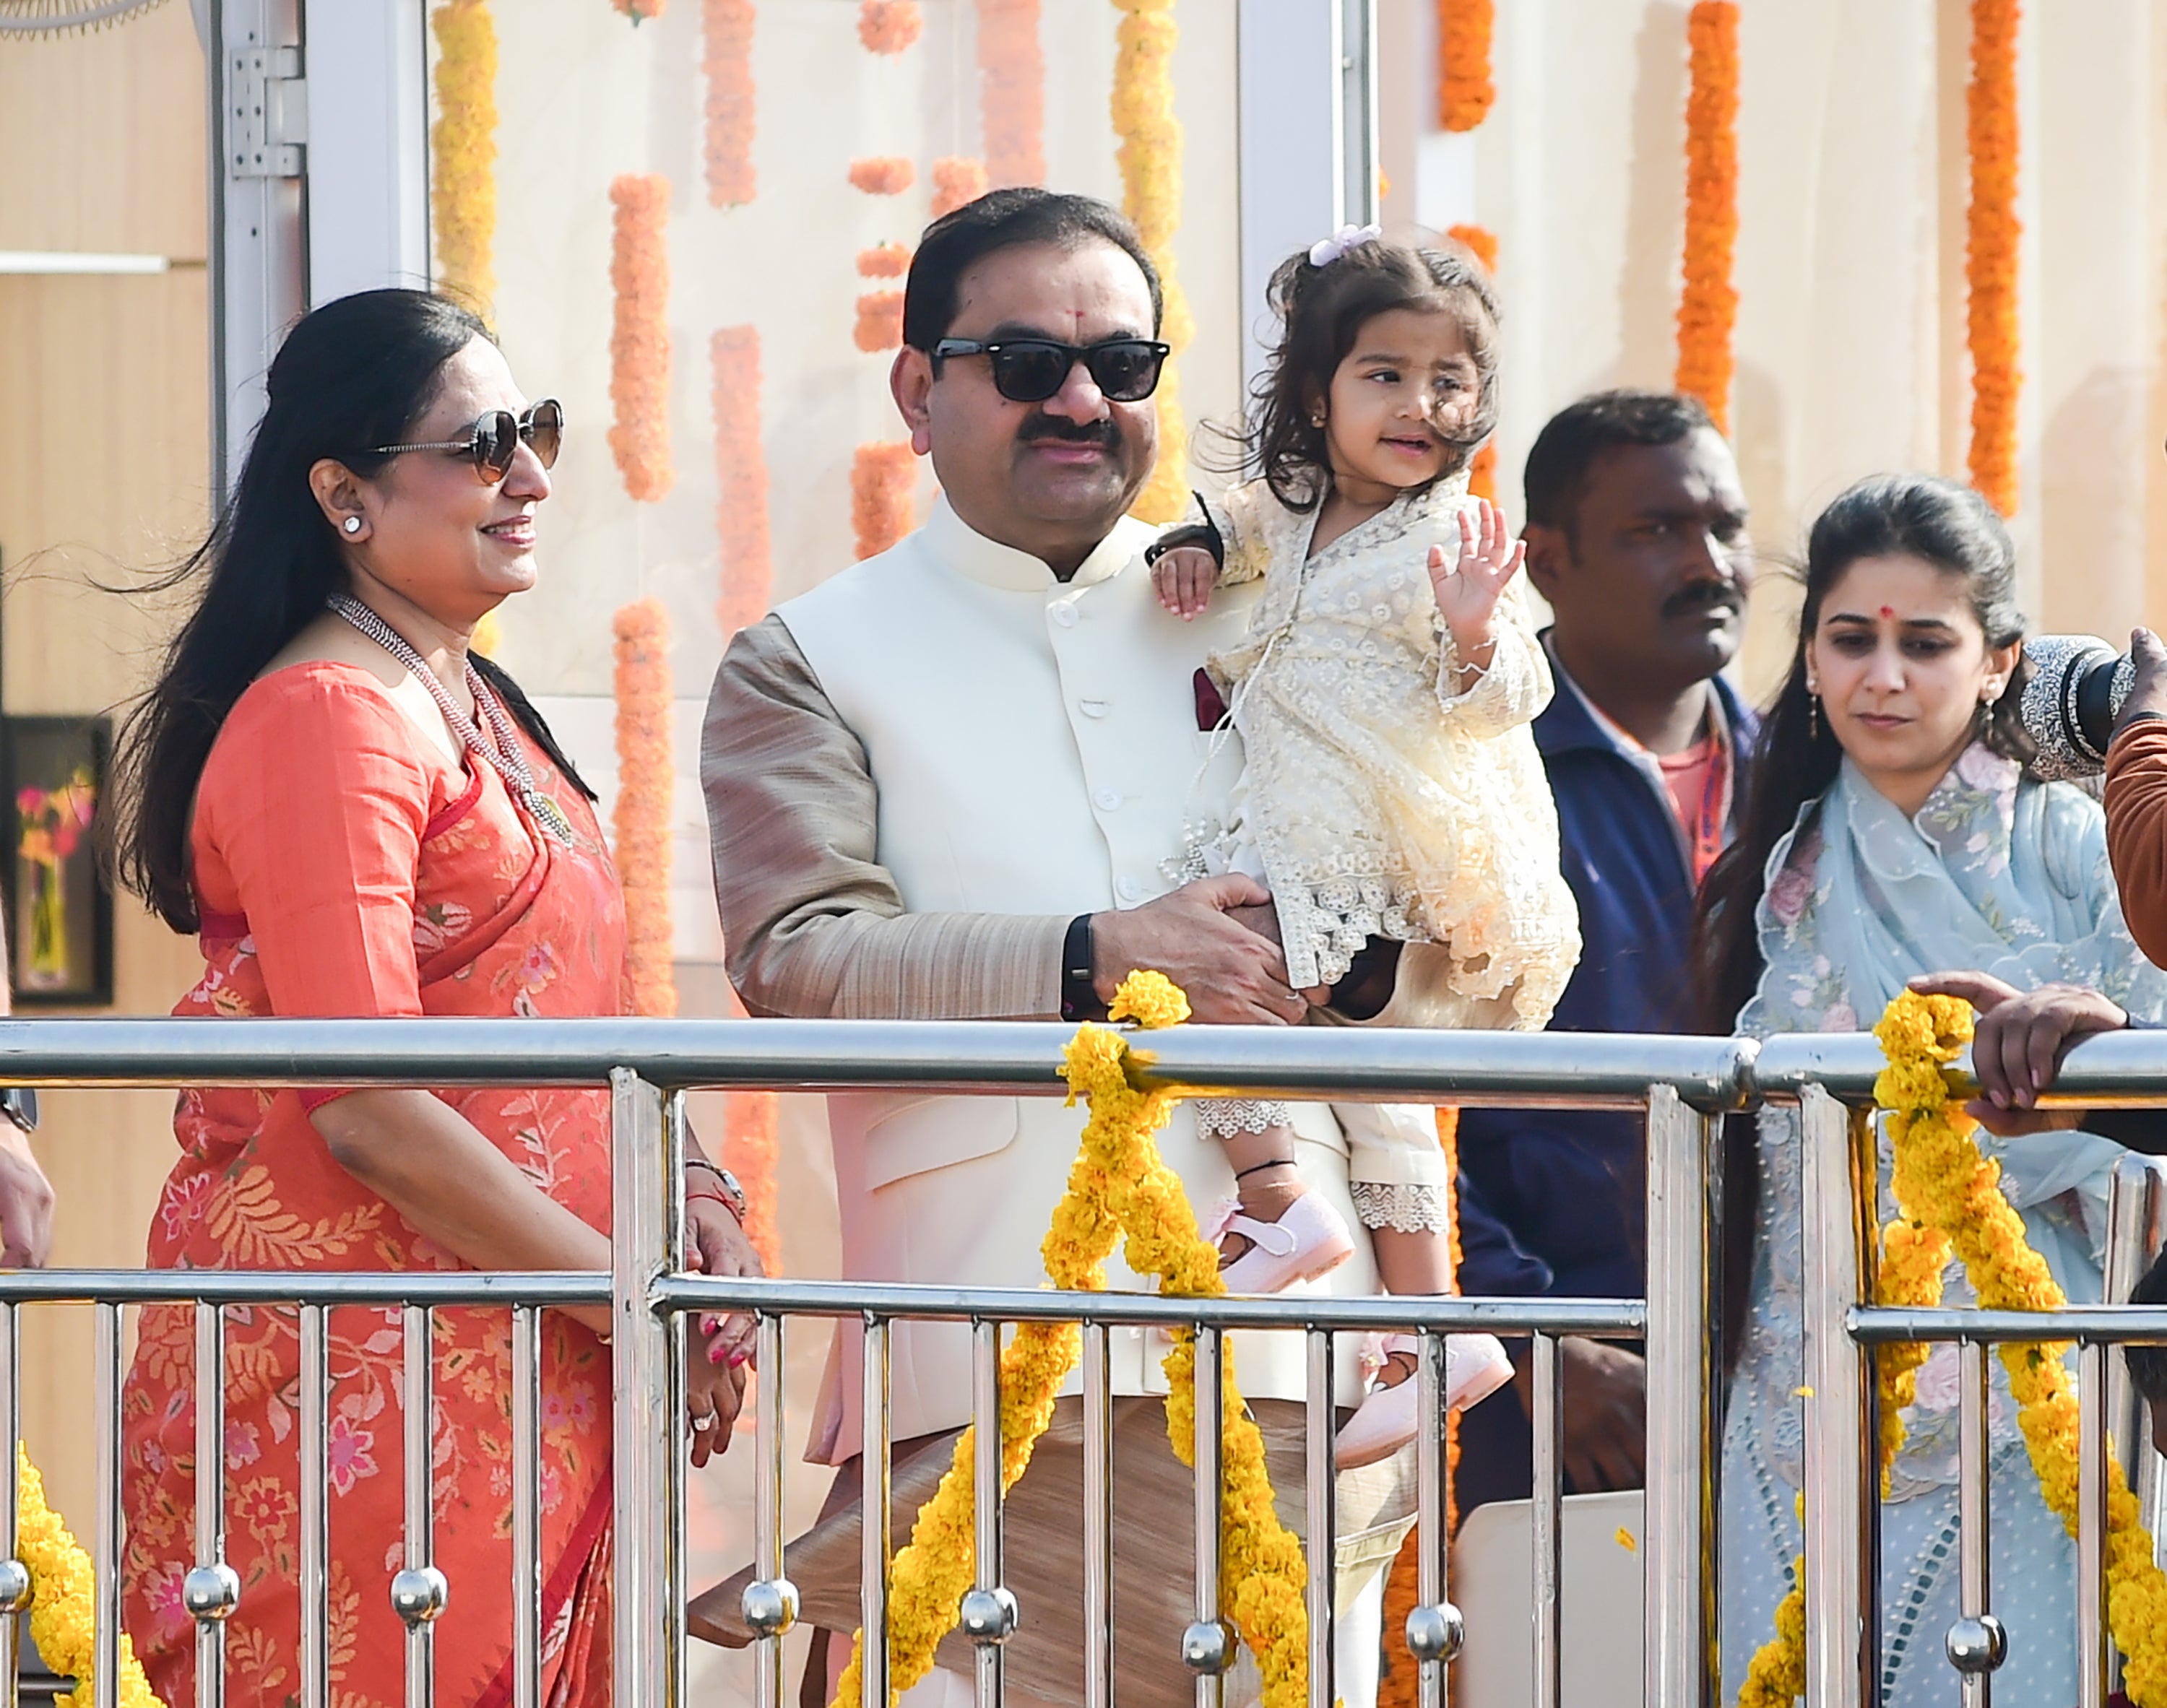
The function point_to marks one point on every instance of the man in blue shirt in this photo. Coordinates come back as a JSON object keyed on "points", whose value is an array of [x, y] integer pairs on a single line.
{"points": [[1636, 536]]}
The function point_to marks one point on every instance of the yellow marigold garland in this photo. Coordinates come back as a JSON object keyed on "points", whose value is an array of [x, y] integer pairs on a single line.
{"points": [[1150, 159], [1990, 257], [642, 817], [1707, 306], [1118, 1187], [1950, 1200], [1464, 86], [462, 152], [63, 1596], [639, 336]]}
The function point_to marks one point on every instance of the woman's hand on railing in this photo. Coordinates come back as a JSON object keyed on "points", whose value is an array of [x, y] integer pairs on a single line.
{"points": [[714, 1393], [722, 1350], [2017, 1046]]}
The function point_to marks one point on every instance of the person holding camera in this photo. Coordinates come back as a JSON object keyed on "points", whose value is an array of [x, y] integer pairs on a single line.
{"points": [[1896, 827]]}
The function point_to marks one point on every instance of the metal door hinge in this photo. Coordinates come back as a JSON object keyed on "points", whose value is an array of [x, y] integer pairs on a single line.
{"points": [[266, 114]]}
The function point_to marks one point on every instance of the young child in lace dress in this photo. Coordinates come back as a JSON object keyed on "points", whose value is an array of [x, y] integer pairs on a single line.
{"points": [[1383, 695]]}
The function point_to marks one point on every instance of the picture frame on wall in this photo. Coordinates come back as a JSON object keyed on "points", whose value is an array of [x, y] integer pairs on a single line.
{"points": [[59, 904]]}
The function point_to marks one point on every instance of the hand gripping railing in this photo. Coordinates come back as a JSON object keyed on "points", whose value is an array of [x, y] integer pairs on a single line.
{"points": [[1684, 1084]]}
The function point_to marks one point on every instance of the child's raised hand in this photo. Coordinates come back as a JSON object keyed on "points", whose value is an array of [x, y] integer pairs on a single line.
{"points": [[1185, 578], [1467, 592]]}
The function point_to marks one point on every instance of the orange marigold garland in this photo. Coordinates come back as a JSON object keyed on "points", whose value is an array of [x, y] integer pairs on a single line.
{"points": [[1465, 87], [462, 152], [642, 818], [1012, 91], [957, 181], [740, 480], [880, 321], [749, 1151], [883, 174], [1990, 258], [1707, 309], [1150, 159], [881, 476], [888, 26], [639, 340], [731, 107], [883, 261], [639, 11]]}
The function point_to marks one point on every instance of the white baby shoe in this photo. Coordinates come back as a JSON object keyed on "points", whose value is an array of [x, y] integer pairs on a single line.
{"points": [[1475, 1366], [1309, 1239]]}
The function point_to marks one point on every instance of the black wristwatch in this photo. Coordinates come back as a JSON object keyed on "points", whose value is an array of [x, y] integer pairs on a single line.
{"points": [[19, 1105], [1079, 996]]}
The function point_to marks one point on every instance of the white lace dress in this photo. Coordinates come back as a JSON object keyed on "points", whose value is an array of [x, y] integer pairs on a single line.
{"points": [[1378, 802]]}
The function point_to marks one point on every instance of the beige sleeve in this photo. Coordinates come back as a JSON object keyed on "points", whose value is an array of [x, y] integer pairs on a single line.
{"points": [[814, 925]]}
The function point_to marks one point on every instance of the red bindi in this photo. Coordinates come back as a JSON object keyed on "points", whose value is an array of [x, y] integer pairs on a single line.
{"points": [[1887, 610]]}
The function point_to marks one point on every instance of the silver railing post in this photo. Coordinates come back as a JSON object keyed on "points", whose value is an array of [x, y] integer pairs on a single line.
{"points": [[419, 1592], [316, 1564], [1843, 1506], [1975, 1644], [211, 1589], [647, 1393], [1322, 1518], [14, 1576], [105, 1555], [989, 1609], [2091, 1525], [525, 1505], [1435, 1631], [1098, 1517], [873, 1538], [2137, 1228], [1206, 1646], [1547, 1423], [1679, 1665], [769, 1604]]}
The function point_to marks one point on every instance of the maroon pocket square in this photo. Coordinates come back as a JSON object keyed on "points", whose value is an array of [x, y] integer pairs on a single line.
{"points": [[1210, 704]]}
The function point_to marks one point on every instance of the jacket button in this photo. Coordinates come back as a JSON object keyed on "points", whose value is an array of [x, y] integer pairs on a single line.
{"points": [[1108, 799], [1065, 615], [1128, 889], [1092, 708]]}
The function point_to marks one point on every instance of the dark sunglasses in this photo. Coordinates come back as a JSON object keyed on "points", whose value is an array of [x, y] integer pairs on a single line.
{"points": [[1032, 370], [494, 439]]}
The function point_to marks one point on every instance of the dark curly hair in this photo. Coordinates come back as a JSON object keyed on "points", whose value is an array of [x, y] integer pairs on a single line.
{"points": [[1321, 311]]}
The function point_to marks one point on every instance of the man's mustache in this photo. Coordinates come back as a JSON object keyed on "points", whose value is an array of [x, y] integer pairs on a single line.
{"points": [[1042, 428], [1705, 595]]}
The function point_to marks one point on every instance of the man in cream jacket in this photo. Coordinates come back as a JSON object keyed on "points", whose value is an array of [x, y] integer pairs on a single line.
{"points": [[949, 783]]}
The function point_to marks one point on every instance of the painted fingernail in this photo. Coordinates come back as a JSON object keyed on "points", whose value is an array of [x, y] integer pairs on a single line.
{"points": [[739, 1357], [709, 1322], [714, 1355]]}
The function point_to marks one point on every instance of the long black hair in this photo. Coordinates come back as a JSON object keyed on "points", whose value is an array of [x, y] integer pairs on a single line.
{"points": [[354, 373], [1322, 311], [1797, 759]]}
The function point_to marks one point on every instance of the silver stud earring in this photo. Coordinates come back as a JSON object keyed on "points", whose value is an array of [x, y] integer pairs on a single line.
{"points": [[351, 525]]}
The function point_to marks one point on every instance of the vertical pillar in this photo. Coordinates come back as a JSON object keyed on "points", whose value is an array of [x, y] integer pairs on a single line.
{"points": [[368, 158]]}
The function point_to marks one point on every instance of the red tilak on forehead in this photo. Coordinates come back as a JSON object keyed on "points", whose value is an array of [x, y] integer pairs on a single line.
{"points": [[1889, 610]]}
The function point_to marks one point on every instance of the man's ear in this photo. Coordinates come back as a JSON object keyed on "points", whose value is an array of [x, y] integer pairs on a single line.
{"points": [[910, 383], [1550, 555]]}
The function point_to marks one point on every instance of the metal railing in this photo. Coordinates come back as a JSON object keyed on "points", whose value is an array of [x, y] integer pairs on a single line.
{"points": [[1684, 1086]]}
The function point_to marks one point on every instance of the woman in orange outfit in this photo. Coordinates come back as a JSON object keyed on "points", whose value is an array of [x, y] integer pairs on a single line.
{"points": [[358, 818]]}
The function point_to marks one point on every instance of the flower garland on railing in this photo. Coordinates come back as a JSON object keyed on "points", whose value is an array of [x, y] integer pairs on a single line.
{"points": [[1465, 86], [1481, 242], [881, 476], [641, 820], [1990, 257], [462, 152], [1150, 159], [63, 1597], [740, 480], [1949, 1201], [958, 180], [1012, 91], [1118, 1188], [732, 108], [1707, 306], [639, 336]]}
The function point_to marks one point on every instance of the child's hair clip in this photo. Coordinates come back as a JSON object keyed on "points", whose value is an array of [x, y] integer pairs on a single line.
{"points": [[1327, 250]]}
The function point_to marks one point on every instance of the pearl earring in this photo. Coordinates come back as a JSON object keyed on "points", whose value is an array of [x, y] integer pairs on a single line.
{"points": [[351, 525]]}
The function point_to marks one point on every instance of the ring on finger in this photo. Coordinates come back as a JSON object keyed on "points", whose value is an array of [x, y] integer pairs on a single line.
{"points": [[704, 1422]]}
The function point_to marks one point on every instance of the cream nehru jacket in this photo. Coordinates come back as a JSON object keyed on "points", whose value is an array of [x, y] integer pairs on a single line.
{"points": [[1035, 747]]}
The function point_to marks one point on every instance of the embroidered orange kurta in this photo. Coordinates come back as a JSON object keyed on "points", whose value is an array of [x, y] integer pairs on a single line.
{"points": [[345, 866]]}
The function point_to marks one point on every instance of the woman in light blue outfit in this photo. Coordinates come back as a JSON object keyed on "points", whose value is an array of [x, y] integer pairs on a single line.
{"points": [[1891, 831]]}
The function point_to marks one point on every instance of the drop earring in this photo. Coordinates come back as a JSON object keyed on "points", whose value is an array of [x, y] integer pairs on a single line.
{"points": [[1814, 714], [351, 525]]}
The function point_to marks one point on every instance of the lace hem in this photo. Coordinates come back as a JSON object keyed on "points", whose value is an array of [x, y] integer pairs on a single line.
{"points": [[1224, 1117], [1404, 1207]]}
